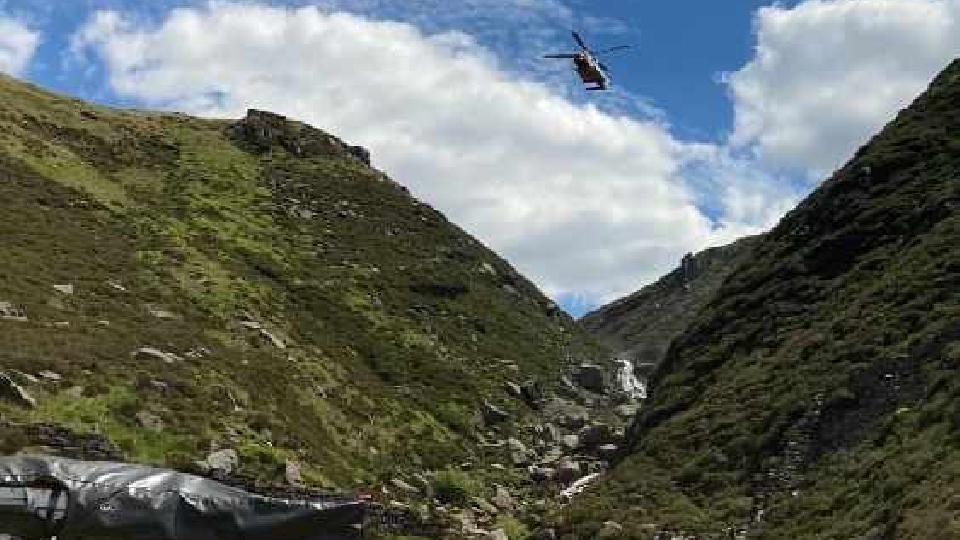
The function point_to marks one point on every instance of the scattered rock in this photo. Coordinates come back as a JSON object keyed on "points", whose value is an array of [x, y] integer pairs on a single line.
{"points": [[547, 433], [607, 451], [404, 487], [515, 445], [116, 286], [541, 474], [627, 410], [267, 336], [50, 376], [579, 486], [498, 534], [65, 289], [222, 462], [483, 505], [503, 500], [155, 354], [610, 529], [14, 392], [570, 442], [27, 377], [575, 419], [424, 485], [594, 435], [569, 471], [11, 312], [590, 377], [493, 414], [291, 473], [162, 314], [532, 393], [150, 421]]}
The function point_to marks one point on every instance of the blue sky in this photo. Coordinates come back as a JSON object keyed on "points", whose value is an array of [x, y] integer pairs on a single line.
{"points": [[721, 119]]}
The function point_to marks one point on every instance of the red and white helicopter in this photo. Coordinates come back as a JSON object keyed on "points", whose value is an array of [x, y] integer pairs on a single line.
{"points": [[590, 69]]}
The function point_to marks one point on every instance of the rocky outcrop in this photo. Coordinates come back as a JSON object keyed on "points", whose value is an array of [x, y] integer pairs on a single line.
{"points": [[260, 131]]}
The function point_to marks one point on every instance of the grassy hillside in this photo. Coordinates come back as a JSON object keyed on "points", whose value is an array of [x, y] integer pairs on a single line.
{"points": [[641, 326], [253, 285], [817, 396]]}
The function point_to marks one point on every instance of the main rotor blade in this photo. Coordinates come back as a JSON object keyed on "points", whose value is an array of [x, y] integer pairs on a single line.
{"points": [[559, 56], [579, 40], [617, 48]]}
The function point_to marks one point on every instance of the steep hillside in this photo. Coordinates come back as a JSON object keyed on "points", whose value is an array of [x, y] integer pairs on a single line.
{"points": [[642, 325], [817, 395], [171, 285]]}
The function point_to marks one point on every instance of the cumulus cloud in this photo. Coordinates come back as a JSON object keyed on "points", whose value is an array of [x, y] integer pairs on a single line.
{"points": [[17, 45], [827, 74], [584, 202]]}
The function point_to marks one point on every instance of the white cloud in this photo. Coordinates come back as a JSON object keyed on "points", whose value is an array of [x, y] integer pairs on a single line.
{"points": [[584, 202], [827, 74], [17, 45]]}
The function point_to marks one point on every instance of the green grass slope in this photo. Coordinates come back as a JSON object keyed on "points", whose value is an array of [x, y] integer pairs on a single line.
{"points": [[304, 306], [817, 395]]}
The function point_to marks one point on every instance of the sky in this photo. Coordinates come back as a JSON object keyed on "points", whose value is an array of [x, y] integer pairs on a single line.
{"points": [[720, 119]]}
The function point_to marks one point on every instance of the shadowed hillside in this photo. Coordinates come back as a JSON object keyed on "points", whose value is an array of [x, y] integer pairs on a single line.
{"points": [[641, 326], [817, 395]]}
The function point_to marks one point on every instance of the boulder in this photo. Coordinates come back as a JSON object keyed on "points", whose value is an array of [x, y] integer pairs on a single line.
{"points": [[498, 534], [12, 391], [503, 500], [610, 529], [493, 414], [594, 435], [514, 389], [222, 462], [65, 289], [575, 419], [590, 377], [291, 473], [148, 420], [532, 392], [541, 474], [570, 442], [607, 451], [568, 471], [50, 376]]}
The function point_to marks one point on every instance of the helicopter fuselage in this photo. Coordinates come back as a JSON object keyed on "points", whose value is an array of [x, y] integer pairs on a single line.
{"points": [[589, 71]]}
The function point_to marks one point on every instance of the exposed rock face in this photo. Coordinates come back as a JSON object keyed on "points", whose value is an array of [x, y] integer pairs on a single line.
{"points": [[640, 327], [590, 377], [262, 130], [12, 391], [493, 414]]}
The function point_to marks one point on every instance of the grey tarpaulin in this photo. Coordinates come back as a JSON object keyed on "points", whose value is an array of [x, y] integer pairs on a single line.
{"points": [[41, 497]]}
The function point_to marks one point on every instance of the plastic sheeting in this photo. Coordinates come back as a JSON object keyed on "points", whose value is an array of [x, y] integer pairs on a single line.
{"points": [[42, 497]]}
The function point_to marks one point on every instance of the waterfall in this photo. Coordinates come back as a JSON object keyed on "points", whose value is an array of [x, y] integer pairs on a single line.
{"points": [[628, 381]]}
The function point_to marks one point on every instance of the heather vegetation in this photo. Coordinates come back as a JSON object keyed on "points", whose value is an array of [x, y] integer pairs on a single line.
{"points": [[815, 395]]}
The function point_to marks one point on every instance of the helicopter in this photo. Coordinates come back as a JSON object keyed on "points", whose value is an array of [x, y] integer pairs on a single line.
{"points": [[590, 69]]}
